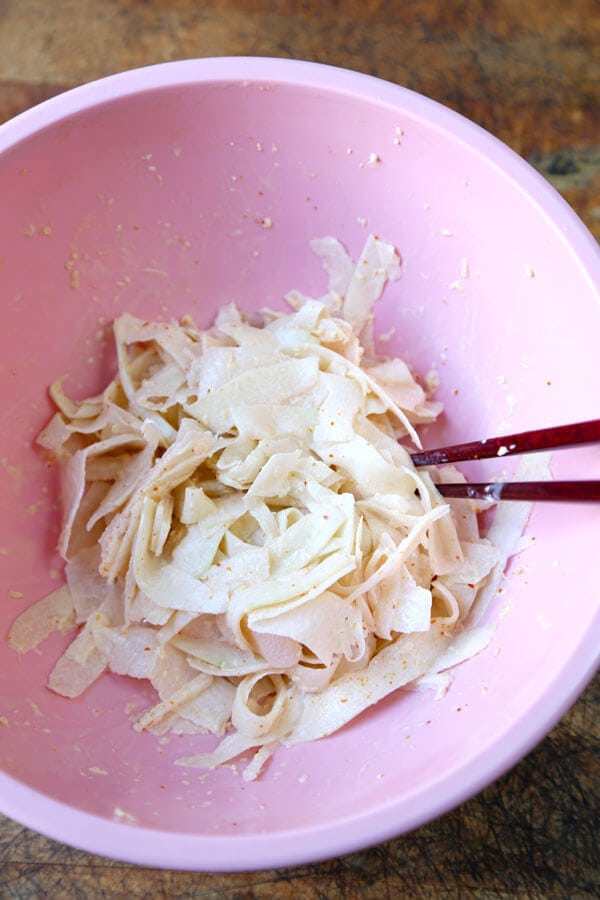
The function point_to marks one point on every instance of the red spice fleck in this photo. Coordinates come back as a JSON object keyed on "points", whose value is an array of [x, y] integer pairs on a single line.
{"points": [[470, 585], [459, 709]]}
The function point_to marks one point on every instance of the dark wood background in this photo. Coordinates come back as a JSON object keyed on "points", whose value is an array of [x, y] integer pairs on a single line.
{"points": [[527, 70]]}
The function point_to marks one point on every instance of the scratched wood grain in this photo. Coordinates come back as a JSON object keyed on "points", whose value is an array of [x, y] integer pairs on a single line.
{"points": [[527, 70]]}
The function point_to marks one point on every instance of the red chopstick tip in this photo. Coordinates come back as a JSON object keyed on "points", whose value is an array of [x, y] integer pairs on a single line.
{"points": [[557, 491], [512, 444]]}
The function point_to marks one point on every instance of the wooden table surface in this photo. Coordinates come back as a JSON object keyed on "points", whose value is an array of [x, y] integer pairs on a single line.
{"points": [[527, 70]]}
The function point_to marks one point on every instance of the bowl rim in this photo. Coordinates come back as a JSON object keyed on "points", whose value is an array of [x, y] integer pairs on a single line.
{"points": [[152, 847]]}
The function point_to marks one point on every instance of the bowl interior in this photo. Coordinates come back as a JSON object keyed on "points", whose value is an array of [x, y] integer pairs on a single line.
{"points": [[166, 200]]}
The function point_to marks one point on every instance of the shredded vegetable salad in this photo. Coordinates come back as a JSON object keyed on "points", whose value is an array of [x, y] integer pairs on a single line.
{"points": [[243, 525]]}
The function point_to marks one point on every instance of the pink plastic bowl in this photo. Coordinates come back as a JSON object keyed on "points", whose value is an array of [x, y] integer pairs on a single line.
{"points": [[149, 192]]}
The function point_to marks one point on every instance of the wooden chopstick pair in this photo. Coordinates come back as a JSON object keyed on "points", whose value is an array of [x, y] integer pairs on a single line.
{"points": [[561, 436]]}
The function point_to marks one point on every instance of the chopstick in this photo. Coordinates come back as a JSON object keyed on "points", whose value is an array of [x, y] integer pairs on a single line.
{"points": [[578, 491], [510, 444], [560, 436]]}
